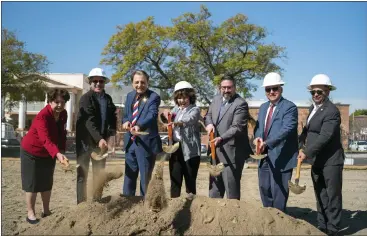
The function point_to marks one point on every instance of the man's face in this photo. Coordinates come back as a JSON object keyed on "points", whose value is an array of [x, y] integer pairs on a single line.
{"points": [[227, 89], [140, 83], [97, 83], [273, 93], [319, 93]]}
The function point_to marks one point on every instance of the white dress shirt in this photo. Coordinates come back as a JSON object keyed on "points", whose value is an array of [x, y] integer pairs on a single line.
{"points": [[315, 108]]}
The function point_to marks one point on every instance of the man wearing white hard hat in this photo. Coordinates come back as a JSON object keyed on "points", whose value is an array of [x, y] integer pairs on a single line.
{"points": [[227, 117], [140, 114], [184, 163], [96, 122], [276, 134], [320, 144]]}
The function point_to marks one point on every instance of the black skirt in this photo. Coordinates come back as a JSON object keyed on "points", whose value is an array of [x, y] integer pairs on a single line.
{"points": [[37, 172]]}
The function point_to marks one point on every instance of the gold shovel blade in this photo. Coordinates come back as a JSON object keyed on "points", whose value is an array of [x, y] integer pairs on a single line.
{"points": [[295, 188], [69, 167], [171, 148], [257, 157]]}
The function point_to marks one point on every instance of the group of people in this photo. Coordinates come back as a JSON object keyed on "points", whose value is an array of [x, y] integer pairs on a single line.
{"points": [[275, 134]]}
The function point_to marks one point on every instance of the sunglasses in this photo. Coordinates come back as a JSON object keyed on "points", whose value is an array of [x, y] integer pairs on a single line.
{"points": [[101, 81], [318, 92], [275, 89]]}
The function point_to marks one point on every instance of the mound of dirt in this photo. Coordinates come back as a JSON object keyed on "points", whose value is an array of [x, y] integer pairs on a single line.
{"points": [[200, 216]]}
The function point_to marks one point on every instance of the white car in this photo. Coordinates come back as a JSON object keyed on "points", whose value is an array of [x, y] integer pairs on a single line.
{"points": [[358, 146]]}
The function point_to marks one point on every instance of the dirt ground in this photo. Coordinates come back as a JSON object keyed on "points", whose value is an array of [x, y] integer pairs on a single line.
{"points": [[201, 216]]}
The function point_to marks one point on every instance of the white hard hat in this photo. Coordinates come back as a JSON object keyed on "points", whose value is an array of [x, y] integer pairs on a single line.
{"points": [[182, 85], [272, 79], [321, 79], [98, 72]]}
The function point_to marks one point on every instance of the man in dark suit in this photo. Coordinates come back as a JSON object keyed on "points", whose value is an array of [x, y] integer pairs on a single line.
{"points": [[96, 122], [140, 114], [228, 116], [320, 143], [276, 129]]}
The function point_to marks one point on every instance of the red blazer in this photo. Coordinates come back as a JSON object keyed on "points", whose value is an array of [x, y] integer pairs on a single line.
{"points": [[44, 137]]}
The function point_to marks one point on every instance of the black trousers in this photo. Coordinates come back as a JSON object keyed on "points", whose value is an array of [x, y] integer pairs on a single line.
{"points": [[327, 182], [180, 168], [82, 174]]}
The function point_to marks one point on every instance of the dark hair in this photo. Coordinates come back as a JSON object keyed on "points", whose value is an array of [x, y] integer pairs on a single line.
{"points": [[54, 93], [140, 72], [226, 77], [187, 92]]}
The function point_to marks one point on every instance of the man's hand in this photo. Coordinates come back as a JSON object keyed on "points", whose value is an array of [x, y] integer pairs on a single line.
{"points": [[301, 155], [209, 128], [262, 146], [217, 141], [256, 140], [126, 125], [135, 128], [102, 143]]}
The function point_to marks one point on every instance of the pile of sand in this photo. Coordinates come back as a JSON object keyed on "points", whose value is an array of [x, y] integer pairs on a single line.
{"points": [[161, 215], [201, 216]]}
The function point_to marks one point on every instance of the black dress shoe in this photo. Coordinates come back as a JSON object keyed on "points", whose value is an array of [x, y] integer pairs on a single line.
{"points": [[33, 222], [332, 233], [43, 215], [322, 229]]}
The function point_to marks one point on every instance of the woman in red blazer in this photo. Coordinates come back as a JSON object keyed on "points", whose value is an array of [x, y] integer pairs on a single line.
{"points": [[41, 146]]}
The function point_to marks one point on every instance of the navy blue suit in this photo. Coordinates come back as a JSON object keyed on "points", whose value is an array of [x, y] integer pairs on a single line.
{"points": [[141, 153], [282, 148]]}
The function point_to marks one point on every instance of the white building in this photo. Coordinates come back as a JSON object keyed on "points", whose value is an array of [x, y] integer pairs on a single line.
{"points": [[76, 83]]}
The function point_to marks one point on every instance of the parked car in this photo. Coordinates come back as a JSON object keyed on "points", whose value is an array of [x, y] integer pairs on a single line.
{"points": [[358, 146], [10, 145], [204, 148]]}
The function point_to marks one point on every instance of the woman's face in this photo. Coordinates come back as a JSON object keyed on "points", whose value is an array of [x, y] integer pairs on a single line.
{"points": [[58, 104], [183, 101]]}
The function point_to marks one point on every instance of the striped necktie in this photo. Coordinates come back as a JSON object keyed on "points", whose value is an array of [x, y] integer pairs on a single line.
{"points": [[135, 114]]}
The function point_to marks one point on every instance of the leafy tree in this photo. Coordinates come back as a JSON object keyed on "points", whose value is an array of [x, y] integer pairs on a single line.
{"points": [[359, 112], [21, 71], [195, 50]]}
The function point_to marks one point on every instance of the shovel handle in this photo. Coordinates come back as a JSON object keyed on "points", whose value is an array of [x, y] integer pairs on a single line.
{"points": [[212, 145], [169, 127], [298, 170], [258, 147]]}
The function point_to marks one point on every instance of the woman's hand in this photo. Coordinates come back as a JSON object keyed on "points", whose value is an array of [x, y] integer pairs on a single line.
{"points": [[62, 159]]}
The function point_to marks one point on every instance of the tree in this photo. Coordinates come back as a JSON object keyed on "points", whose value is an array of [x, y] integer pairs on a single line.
{"points": [[21, 71], [195, 50], [360, 112]]}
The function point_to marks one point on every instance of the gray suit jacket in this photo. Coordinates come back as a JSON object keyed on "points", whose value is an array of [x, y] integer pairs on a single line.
{"points": [[190, 132], [231, 126]]}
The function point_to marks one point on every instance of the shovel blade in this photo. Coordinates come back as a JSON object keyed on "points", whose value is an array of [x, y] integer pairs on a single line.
{"points": [[215, 170], [171, 148], [257, 157], [69, 167], [295, 188]]}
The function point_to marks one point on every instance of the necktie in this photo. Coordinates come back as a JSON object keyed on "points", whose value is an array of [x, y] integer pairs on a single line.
{"points": [[222, 108], [135, 114], [268, 121]]}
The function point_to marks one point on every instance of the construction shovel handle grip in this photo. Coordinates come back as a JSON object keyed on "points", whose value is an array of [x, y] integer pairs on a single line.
{"points": [[169, 127], [212, 145], [298, 170], [258, 147]]}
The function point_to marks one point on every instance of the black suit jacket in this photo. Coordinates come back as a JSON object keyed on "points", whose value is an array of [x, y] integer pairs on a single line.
{"points": [[89, 121], [321, 137]]}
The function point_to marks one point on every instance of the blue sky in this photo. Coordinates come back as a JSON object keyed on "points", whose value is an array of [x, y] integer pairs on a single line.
{"points": [[320, 37]]}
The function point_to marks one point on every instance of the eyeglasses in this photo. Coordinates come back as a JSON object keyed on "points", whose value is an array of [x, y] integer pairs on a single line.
{"points": [[318, 92], [101, 81], [275, 89]]}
